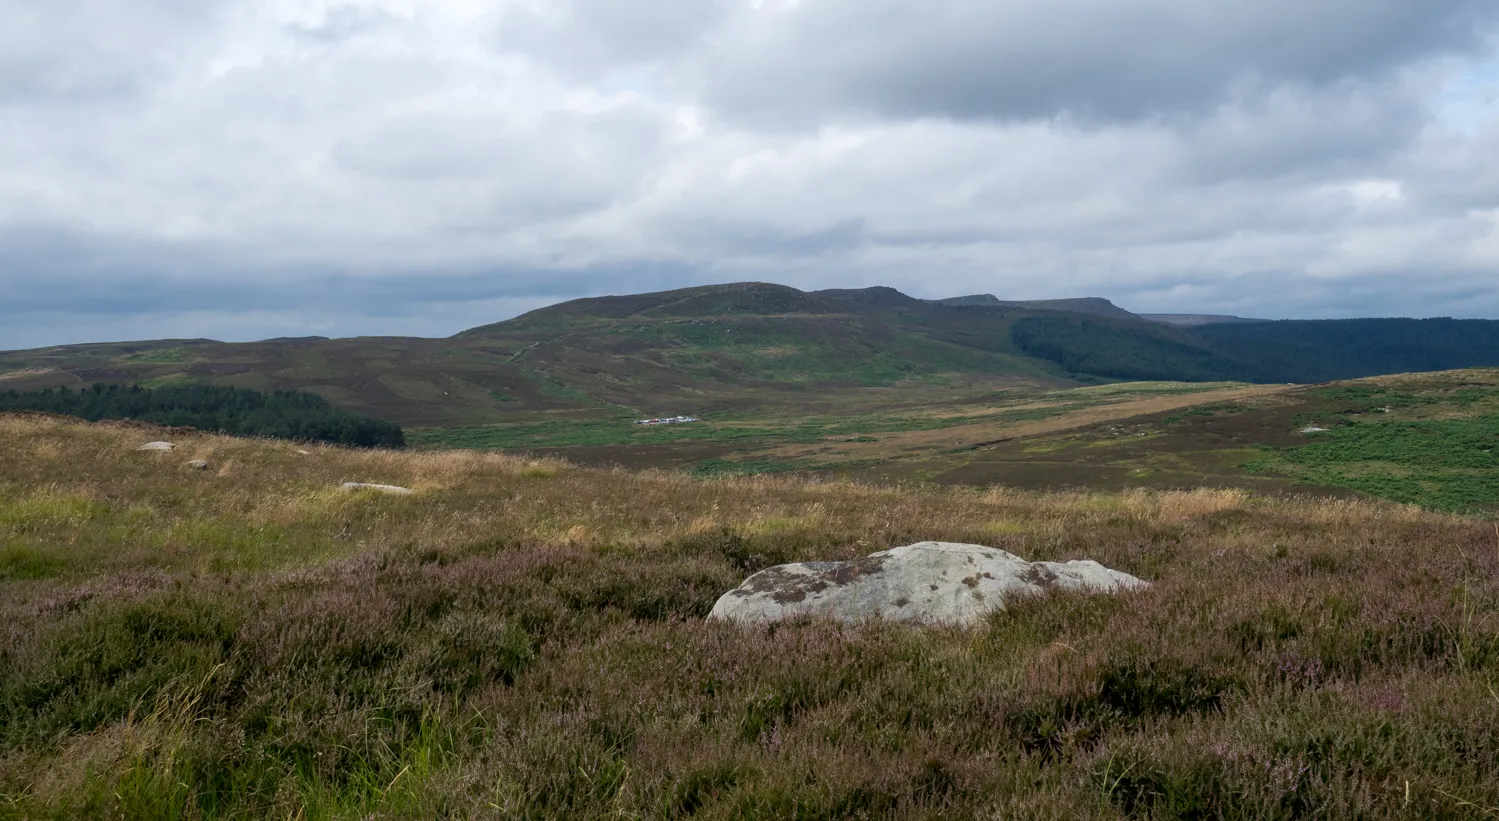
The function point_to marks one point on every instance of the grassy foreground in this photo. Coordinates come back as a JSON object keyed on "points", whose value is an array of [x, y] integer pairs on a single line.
{"points": [[524, 639]]}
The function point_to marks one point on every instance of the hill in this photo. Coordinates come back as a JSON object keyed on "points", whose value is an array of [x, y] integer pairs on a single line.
{"points": [[1193, 320], [1096, 306], [712, 349], [525, 639], [759, 351]]}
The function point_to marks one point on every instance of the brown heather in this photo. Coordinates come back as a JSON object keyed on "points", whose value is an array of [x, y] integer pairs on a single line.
{"points": [[525, 639]]}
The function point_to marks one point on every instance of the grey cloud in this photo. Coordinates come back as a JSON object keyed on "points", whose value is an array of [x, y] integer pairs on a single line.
{"points": [[410, 168], [585, 37], [562, 163], [41, 329], [341, 23], [1288, 294], [1454, 171], [59, 272], [1347, 128], [764, 238], [1086, 59], [88, 51]]}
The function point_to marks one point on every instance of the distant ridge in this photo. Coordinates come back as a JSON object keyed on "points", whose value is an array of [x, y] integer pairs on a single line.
{"points": [[1194, 320], [1094, 305], [751, 346]]}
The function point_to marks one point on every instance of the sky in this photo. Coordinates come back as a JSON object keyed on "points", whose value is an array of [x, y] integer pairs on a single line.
{"points": [[241, 170]]}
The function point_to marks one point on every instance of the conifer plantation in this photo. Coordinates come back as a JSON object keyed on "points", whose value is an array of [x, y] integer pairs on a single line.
{"points": [[235, 411]]}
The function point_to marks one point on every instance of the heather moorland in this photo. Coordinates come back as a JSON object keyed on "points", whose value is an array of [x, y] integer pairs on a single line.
{"points": [[524, 638]]}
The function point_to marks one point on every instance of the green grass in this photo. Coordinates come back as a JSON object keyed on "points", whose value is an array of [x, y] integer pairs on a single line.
{"points": [[45, 533], [558, 390], [784, 351], [748, 467], [1448, 464], [1427, 440], [1366, 397], [160, 356], [760, 429], [624, 431], [168, 381]]}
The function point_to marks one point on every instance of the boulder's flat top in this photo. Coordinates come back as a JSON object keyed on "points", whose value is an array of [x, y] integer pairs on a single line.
{"points": [[376, 488], [926, 582]]}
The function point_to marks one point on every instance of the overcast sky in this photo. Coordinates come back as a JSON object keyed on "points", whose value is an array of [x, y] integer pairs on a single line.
{"points": [[239, 169]]}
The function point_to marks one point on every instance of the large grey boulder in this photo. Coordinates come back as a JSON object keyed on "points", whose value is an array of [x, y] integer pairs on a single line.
{"points": [[927, 582], [157, 446], [391, 489]]}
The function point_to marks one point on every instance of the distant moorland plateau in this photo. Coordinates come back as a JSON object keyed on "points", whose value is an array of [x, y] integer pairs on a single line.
{"points": [[858, 382]]}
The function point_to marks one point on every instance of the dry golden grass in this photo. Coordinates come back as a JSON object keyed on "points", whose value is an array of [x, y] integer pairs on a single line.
{"points": [[902, 443], [25, 372]]}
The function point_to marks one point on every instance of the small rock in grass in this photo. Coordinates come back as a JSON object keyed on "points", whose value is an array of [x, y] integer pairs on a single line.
{"points": [[198, 464], [157, 446], [391, 489], [304, 453], [926, 583]]}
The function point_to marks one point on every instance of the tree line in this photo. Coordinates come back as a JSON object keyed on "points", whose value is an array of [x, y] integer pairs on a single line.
{"points": [[295, 415], [1302, 351]]}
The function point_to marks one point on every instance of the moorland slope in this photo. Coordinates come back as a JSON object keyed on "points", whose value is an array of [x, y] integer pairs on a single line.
{"points": [[760, 348], [525, 639], [1425, 438]]}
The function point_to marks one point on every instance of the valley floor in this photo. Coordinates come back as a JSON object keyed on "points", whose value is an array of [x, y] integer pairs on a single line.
{"points": [[1429, 438]]}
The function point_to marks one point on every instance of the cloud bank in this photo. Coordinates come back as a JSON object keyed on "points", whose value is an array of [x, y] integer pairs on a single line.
{"points": [[242, 169]]}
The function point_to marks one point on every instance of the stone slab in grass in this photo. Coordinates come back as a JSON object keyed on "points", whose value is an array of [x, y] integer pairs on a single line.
{"points": [[374, 488], [927, 583]]}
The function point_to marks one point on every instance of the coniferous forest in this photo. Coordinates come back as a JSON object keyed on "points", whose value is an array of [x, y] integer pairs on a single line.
{"points": [[1304, 351], [236, 411]]}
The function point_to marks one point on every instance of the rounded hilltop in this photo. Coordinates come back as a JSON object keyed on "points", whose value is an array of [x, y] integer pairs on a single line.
{"points": [[733, 299]]}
